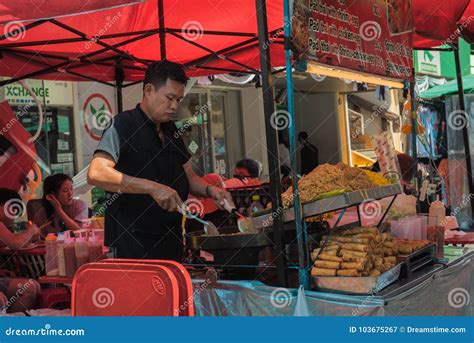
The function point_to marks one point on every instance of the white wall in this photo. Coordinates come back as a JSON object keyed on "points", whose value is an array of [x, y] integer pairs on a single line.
{"points": [[253, 123]]}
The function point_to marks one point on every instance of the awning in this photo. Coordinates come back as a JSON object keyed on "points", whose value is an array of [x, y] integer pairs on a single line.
{"points": [[450, 88], [207, 37]]}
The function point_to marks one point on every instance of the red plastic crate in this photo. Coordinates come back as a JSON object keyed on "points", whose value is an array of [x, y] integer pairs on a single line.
{"points": [[186, 299], [124, 289]]}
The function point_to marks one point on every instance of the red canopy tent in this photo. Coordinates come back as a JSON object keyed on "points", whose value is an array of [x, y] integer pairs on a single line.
{"points": [[96, 46]]}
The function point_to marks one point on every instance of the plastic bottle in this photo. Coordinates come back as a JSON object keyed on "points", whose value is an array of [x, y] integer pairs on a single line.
{"points": [[61, 260], [437, 213], [70, 256], [51, 264], [255, 205], [82, 251], [95, 249]]}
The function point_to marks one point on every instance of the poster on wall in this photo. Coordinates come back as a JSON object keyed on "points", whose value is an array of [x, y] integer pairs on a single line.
{"points": [[97, 108], [372, 36]]}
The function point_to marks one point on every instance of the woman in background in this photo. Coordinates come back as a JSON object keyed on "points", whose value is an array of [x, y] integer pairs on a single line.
{"points": [[58, 207]]}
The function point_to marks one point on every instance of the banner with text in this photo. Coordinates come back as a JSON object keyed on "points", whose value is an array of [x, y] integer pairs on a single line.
{"points": [[372, 36]]}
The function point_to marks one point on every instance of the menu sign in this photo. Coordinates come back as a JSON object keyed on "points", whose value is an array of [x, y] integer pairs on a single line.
{"points": [[372, 36]]}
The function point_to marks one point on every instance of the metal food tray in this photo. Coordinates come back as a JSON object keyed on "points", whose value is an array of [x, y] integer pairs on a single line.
{"points": [[357, 285], [332, 204]]}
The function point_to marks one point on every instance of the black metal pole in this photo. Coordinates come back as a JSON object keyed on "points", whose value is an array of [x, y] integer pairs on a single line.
{"points": [[119, 78], [272, 142], [465, 134], [161, 26]]}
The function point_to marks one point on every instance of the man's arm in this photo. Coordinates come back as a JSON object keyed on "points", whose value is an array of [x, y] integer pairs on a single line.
{"points": [[19, 240], [200, 188], [102, 174]]}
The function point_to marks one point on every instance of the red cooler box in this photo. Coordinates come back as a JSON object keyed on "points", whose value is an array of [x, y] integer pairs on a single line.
{"points": [[186, 300], [124, 289]]}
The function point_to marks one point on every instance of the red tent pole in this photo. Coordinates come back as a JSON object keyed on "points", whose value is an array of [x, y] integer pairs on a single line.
{"points": [[465, 134], [161, 27]]}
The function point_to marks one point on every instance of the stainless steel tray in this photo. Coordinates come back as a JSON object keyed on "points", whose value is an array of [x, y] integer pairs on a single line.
{"points": [[332, 204], [357, 285]]}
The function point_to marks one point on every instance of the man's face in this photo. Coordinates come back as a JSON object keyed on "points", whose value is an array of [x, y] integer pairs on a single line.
{"points": [[162, 104], [241, 173]]}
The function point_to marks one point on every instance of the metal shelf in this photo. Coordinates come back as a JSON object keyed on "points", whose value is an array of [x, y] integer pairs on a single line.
{"points": [[332, 204]]}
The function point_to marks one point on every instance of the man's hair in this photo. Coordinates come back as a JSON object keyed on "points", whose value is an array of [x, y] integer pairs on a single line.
{"points": [[159, 72], [303, 135], [8, 194], [251, 166]]}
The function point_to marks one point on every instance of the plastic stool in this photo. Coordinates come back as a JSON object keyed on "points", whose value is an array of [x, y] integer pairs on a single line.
{"points": [[50, 297]]}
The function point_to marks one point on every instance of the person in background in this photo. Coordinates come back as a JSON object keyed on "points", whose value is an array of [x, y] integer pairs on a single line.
{"points": [[59, 210], [309, 154], [246, 168], [11, 299], [407, 168]]}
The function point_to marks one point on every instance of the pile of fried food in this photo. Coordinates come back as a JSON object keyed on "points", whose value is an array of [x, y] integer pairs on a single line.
{"points": [[360, 251], [407, 247], [332, 178]]}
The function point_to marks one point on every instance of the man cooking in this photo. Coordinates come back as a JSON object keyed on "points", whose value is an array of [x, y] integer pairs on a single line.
{"points": [[143, 163]]}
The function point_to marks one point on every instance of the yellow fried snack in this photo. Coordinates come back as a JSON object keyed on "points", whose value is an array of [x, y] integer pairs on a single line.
{"points": [[326, 264], [353, 252], [352, 265], [323, 272], [348, 272], [327, 257]]}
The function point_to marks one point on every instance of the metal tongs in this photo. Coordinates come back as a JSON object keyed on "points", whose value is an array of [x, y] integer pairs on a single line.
{"points": [[245, 224], [209, 228]]}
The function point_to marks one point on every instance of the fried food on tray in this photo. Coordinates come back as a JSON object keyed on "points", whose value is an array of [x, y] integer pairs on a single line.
{"points": [[323, 272], [371, 255], [328, 178], [327, 264], [348, 272]]}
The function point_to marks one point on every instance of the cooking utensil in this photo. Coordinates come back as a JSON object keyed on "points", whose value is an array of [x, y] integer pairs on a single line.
{"points": [[245, 224], [209, 228]]}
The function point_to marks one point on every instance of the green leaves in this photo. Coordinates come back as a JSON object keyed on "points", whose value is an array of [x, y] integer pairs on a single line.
{"points": [[98, 114]]}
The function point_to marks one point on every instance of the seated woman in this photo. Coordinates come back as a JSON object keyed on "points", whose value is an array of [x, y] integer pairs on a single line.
{"points": [[59, 210], [16, 294]]}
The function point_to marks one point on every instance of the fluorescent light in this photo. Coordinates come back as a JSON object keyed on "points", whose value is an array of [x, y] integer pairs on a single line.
{"points": [[316, 68]]}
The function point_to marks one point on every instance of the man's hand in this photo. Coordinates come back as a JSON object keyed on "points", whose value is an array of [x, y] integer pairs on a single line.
{"points": [[166, 197], [219, 195]]}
